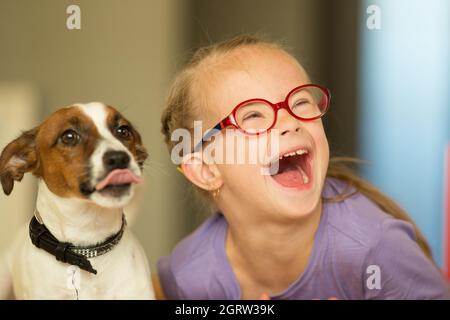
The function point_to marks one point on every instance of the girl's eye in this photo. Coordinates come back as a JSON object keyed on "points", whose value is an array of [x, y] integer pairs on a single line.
{"points": [[123, 132], [70, 138], [299, 103], [252, 115]]}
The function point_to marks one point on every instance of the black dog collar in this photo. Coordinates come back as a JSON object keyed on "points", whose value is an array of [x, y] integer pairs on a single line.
{"points": [[69, 253]]}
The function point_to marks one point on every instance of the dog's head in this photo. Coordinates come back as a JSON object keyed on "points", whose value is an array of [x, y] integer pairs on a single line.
{"points": [[89, 151]]}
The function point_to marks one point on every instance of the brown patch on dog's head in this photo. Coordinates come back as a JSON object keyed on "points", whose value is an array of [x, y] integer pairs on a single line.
{"points": [[66, 150], [65, 142], [57, 151], [124, 131]]}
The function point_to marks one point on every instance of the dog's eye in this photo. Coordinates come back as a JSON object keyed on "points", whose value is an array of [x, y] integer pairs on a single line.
{"points": [[70, 138], [123, 132]]}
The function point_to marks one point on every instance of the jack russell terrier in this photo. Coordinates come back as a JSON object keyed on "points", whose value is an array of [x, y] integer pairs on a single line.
{"points": [[88, 159]]}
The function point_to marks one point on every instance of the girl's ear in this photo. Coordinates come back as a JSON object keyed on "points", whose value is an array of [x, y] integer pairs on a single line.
{"points": [[203, 175], [18, 158]]}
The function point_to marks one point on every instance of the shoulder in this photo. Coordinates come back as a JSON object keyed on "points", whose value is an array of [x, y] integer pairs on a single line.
{"points": [[365, 240], [354, 227], [356, 220], [188, 272], [397, 268]]}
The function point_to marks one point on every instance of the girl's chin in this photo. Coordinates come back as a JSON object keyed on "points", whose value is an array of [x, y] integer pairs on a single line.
{"points": [[287, 214], [293, 200]]}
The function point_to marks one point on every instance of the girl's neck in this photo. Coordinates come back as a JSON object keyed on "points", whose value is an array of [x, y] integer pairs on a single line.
{"points": [[271, 256]]}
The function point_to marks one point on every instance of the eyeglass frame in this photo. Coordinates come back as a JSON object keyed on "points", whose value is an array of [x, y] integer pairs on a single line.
{"points": [[230, 119]]}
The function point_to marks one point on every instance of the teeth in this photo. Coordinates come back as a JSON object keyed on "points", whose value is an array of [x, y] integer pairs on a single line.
{"points": [[294, 153], [305, 177]]}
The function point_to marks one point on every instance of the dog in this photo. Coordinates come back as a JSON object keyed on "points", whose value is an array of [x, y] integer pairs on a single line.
{"points": [[89, 160]]}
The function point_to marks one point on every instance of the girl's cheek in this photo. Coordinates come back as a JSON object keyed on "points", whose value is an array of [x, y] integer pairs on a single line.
{"points": [[241, 179], [236, 154], [322, 146], [243, 156], [239, 149]]}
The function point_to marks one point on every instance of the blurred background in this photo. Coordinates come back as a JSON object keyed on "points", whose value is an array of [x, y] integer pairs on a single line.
{"points": [[387, 64]]}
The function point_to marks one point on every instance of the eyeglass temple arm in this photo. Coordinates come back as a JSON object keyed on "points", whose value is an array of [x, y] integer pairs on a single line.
{"points": [[208, 135]]}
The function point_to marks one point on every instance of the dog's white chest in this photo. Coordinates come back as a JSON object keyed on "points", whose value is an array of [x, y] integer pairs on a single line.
{"points": [[122, 273]]}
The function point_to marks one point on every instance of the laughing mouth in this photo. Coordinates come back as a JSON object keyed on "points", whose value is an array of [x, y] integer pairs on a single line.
{"points": [[293, 169]]}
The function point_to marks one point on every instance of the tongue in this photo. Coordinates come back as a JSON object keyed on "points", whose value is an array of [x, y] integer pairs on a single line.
{"points": [[290, 172], [118, 177], [290, 178]]}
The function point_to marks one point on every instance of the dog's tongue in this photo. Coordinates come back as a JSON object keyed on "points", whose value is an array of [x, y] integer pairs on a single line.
{"points": [[118, 177]]}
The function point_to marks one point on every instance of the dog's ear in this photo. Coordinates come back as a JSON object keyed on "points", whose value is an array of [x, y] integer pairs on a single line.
{"points": [[18, 158]]}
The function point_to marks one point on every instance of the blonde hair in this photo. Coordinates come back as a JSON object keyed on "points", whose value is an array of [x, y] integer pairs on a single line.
{"points": [[180, 112]]}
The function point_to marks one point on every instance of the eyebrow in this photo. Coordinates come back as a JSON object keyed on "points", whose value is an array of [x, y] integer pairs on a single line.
{"points": [[74, 121], [116, 119]]}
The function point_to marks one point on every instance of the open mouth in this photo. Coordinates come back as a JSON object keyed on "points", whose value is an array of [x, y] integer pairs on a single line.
{"points": [[294, 169], [117, 182]]}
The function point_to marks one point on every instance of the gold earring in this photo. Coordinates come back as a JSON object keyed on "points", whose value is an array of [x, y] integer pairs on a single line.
{"points": [[216, 193]]}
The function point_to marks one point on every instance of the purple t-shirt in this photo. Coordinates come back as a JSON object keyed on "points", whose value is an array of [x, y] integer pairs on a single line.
{"points": [[359, 252]]}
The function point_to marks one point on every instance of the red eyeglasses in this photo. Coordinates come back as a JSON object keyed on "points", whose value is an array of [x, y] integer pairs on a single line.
{"points": [[256, 116]]}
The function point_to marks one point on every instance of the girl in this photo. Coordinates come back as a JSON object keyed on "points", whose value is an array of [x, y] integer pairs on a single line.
{"points": [[311, 229]]}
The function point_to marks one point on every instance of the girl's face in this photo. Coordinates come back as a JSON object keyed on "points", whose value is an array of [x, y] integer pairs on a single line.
{"points": [[269, 74]]}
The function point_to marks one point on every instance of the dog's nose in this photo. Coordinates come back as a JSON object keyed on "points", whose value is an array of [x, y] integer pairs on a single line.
{"points": [[116, 160]]}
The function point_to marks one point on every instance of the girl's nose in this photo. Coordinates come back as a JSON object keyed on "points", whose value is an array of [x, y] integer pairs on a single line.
{"points": [[286, 123]]}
